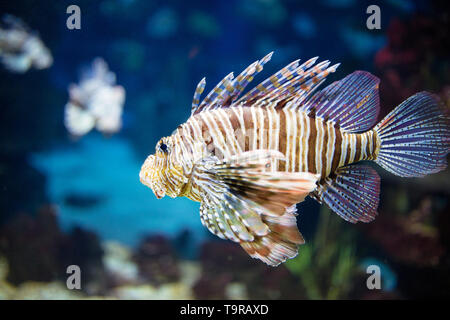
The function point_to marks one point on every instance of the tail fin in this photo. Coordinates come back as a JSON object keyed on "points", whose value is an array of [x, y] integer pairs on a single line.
{"points": [[415, 137]]}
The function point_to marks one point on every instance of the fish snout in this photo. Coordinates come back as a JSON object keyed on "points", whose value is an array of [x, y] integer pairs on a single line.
{"points": [[159, 193]]}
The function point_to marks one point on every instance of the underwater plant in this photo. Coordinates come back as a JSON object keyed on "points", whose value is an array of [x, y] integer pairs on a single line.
{"points": [[20, 47], [327, 265], [97, 102]]}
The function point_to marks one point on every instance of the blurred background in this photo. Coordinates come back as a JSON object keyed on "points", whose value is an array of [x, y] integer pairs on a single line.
{"points": [[66, 201]]}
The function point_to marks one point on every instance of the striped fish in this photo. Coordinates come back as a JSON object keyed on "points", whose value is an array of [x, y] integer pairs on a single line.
{"points": [[250, 160]]}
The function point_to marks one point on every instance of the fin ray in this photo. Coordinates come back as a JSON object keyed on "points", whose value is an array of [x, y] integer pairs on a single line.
{"points": [[228, 89], [353, 193], [281, 243], [242, 200], [415, 137], [352, 103], [291, 84]]}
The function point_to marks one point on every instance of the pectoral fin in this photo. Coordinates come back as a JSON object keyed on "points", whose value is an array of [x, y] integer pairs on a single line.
{"points": [[281, 243], [245, 201]]}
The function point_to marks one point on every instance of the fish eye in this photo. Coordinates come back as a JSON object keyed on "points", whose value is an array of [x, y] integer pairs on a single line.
{"points": [[163, 147]]}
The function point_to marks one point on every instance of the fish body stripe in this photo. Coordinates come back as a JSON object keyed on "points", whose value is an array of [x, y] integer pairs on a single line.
{"points": [[310, 144], [330, 148], [305, 143], [302, 129], [319, 145], [337, 151], [311, 155]]}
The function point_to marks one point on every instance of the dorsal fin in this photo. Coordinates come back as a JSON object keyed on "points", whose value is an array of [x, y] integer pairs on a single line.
{"points": [[218, 90], [198, 92], [292, 84], [228, 89], [352, 103], [247, 76]]}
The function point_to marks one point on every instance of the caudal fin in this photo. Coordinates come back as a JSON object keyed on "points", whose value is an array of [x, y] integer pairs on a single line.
{"points": [[415, 137]]}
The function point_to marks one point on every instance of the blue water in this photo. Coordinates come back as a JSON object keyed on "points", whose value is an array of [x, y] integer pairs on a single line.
{"points": [[108, 169]]}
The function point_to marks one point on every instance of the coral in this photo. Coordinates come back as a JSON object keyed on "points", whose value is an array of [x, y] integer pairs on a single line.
{"points": [[326, 267], [157, 260], [236, 291], [189, 272], [226, 266], [7, 291], [170, 291], [83, 248], [118, 264], [123, 281], [4, 268], [31, 247], [45, 291], [415, 58], [37, 250], [22, 48], [96, 101], [182, 289], [410, 238], [209, 287]]}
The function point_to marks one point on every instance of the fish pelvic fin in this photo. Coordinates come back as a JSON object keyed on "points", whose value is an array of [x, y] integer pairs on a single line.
{"points": [[281, 242], [414, 139], [352, 193], [244, 201]]}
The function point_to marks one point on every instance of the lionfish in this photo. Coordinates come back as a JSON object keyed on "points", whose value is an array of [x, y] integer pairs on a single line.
{"points": [[21, 48], [250, 160], [97, 102]]}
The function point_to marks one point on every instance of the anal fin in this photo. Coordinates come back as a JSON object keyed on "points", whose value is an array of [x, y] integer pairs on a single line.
{"points": [[352, 192]]}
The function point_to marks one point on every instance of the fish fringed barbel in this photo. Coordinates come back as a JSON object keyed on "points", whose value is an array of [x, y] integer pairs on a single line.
{"points": [[249, 160]]}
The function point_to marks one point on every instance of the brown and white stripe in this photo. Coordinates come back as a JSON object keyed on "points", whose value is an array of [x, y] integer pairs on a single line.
{"points": [[309, 143]]}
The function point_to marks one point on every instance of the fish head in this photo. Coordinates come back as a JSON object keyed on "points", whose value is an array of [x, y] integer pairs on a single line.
{"points": [[160, 171]]}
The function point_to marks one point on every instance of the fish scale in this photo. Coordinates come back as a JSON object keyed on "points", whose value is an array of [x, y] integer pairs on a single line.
{"points": [[309, 144]]}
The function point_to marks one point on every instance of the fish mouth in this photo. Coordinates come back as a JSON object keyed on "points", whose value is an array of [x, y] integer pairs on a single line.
{"points": [[159, 194]]}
